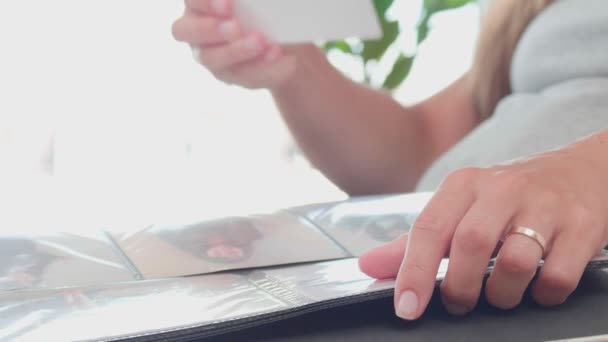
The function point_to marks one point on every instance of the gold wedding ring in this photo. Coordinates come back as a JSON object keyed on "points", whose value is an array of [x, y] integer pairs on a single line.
{"points": [[532, 234]]}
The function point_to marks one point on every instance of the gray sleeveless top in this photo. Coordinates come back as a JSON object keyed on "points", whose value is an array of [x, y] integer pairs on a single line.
{"points": [[559, 77]]}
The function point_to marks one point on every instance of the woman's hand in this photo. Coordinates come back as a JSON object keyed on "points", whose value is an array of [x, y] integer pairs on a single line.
{"points": [[562, 195], [231, 54]]}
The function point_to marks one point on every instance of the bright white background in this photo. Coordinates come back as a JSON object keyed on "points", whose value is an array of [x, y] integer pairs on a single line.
{"points": [[100, 108]]}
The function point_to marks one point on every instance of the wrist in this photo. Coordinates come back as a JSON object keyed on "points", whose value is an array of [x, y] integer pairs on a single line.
{"points": [[595, 146], [593, 149], [600, 147]]}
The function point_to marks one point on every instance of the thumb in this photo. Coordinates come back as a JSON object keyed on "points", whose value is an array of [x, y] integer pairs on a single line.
{"points": [[384, 262]]}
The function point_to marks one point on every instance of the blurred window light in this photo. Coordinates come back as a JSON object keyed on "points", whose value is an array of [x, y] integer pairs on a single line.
{"points": [[99, 100]]}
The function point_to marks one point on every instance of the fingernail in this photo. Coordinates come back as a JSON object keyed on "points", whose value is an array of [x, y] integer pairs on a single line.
{"points": [[228, 29], [219, 6], [252, 43], [456, 309], [408, 305]]}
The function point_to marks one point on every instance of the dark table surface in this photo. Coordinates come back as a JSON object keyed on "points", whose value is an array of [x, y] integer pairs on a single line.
{"points": [[584, 314]]}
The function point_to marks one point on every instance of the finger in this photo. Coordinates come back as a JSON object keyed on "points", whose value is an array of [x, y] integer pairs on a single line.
{"points": [[197, 30], [518, 261], [428, 242], [222, 57], [564, 266], [474, 242], [213, 7], [384, 262], [267, 71]]}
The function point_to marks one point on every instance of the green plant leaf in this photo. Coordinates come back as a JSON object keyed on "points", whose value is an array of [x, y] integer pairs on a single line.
{"points": [[431, 6], [338, 45], [423, 29], [375, 49], [382, 6], [401, 69], [455, 3], [434, 6]]}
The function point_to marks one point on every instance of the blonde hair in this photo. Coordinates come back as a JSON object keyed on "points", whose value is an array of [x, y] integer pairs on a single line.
{"points": [[501, 30]]}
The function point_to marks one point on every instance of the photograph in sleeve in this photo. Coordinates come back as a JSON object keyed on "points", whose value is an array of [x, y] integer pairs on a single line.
{"points": [[58, 260], [360, 225], [225, 244]]}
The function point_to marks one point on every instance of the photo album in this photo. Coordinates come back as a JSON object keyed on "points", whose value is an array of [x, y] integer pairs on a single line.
{"points": [[199, 279], [190, 280]]}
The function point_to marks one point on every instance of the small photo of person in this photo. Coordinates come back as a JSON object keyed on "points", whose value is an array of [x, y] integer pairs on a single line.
{"points": [[58, 260], [231, 243], [22, 265], [224, 241], [358, 232]]}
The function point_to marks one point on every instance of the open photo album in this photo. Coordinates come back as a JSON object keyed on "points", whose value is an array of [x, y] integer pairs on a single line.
{"points": [[198, 279]]}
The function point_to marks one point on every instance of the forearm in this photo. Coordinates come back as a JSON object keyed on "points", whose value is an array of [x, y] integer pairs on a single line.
{"points": [[361, 139]]}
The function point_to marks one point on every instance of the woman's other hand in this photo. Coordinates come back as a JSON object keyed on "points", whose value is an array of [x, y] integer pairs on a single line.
{"points": [[561, 195], [230, 53]]}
